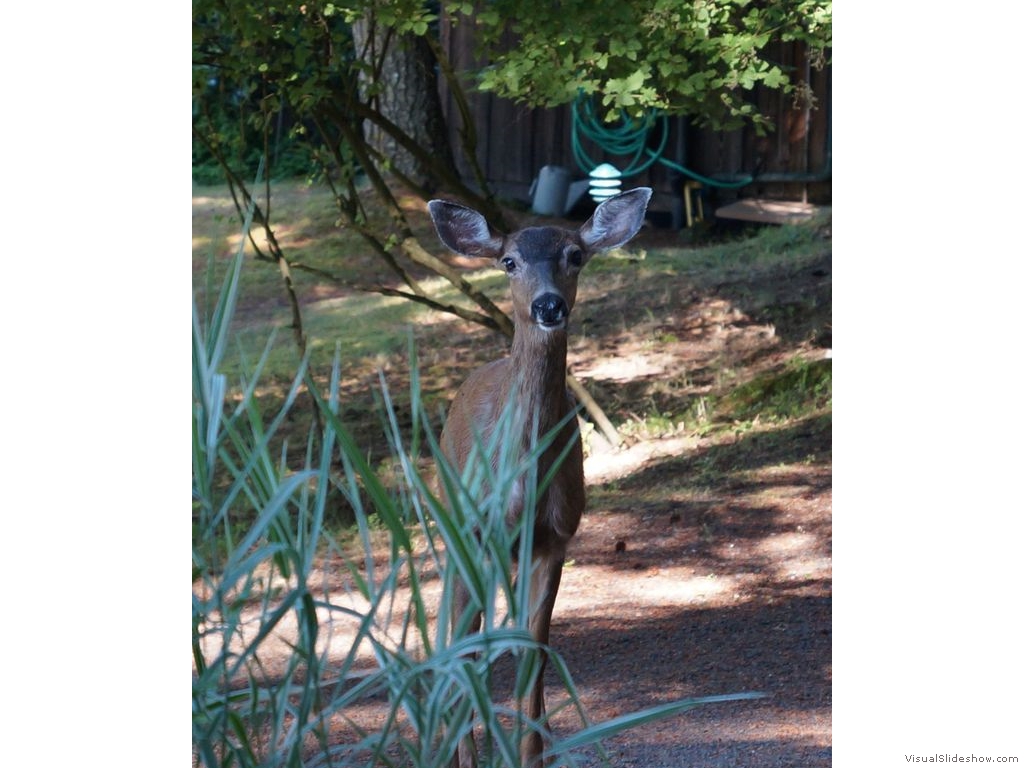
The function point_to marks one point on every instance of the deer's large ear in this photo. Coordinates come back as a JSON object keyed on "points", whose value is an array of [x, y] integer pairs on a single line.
{"points": [[463, 230], [616, 220]]}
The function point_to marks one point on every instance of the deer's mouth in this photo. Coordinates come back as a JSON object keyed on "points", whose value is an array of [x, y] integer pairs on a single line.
{"points": [[561, 325]]}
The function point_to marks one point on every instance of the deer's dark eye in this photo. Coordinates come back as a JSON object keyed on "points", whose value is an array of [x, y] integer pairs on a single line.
{"points": [[509, 264], [575, 257]]}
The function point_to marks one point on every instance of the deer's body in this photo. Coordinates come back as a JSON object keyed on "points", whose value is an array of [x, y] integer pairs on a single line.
{"points": [[478, 405], [543, 264]]}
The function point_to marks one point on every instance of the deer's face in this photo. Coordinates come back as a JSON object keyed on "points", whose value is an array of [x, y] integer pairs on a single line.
{"points": [[542, 263], [543, 266]]}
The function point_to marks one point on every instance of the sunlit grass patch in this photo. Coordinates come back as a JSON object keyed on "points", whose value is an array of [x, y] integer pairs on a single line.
{"points": [[800, 388]]}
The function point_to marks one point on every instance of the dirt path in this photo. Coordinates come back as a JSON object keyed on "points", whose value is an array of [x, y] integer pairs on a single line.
{"points": [[728, 595]]}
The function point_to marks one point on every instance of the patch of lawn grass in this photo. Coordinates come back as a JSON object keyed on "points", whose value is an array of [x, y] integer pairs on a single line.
{"points": [[790, 245], [363, 325], [802, 387]]}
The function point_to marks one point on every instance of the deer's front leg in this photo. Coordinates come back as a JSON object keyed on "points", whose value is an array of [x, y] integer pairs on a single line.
{"points": [[547, 574]]}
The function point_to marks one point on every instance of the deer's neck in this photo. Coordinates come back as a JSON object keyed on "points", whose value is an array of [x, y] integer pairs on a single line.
{"points": [[538, 364]]}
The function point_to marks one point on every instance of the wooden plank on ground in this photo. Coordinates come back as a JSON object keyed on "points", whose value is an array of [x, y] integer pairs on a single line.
{"points": [[769, 211]]}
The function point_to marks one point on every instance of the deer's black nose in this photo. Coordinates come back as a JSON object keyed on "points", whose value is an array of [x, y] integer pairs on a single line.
{"points": [[549, 310]]}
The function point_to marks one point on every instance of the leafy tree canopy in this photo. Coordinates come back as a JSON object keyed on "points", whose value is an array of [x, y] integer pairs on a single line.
{"points": [[699, 58], [694, 58]]}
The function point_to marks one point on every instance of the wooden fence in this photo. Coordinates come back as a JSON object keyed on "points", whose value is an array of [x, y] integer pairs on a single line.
{"points": [[793, 162]]}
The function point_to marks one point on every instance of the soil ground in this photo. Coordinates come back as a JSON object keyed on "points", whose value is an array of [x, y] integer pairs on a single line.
{"points": [[726, 594], [703, 564]]}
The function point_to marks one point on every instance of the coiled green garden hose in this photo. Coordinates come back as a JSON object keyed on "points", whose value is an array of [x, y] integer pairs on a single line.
{"points": [[629, 138]]}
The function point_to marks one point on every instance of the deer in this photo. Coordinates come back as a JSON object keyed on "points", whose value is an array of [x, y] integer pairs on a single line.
{"points": [[543, 265]]}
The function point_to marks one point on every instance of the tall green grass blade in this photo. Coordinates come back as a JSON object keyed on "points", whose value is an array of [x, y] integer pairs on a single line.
{"points": [[221, 319], [609, 728]]}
